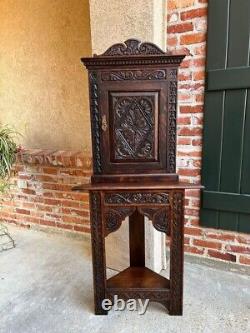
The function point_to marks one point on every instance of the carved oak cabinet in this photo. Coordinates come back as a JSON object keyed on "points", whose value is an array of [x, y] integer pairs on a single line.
{"points": [[133, 97]]}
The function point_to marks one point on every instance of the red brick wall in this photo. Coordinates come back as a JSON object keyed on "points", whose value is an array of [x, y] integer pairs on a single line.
{"points": [[186, 29], [44, 179], [42, 194]]}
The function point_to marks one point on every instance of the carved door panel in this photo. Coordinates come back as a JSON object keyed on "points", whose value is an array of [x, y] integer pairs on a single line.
{"points": [[134, 124]]}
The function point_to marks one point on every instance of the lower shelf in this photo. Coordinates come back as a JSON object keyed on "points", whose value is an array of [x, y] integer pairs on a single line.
{"points": [[138, 282], [137, 277]]}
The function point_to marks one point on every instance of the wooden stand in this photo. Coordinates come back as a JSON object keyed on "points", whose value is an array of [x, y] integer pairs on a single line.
{"points": [[163, 205], [133, 96]]}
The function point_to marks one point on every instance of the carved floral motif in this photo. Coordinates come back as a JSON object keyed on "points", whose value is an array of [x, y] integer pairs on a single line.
{"points": [[113, 217], [137, 197], [133, 118], [130, 75]]}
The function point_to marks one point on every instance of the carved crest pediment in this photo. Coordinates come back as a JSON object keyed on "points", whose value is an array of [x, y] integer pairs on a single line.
{"points": [[132, 47]]}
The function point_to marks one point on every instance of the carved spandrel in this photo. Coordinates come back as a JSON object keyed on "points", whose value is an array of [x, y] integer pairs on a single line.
{"points": [[113, 218], [133, 126], [137, 198], [160, 217]]}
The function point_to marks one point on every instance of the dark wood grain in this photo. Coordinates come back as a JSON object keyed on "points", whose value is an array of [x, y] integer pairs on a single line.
{"points": [[98, 251], [133, 107], [135, 186], [133, 98], [136, 240]]}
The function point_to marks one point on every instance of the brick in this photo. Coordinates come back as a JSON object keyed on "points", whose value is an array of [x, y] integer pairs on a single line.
{"points": [[57, 187], [194, 221], [192, 212], [244, 260], [184, 141], [197, 142], [70, 203], [222, 256], [28, 191], [192, 249], [200, 50], [190, 153], [197, 164], [48, 194], [220, 236], [205, 243], [193, 231], [198, 76], [193, 13], [54, 202], [50, 170], [185, 97], [47, 223], [199, 62], [193, 193], [186, 240], [186, 63], [191, 109], [195, 203], [81, 228], [243, 239], [44, 208], [184, 76], [53, 216], [28, 205], [189, 172], [185, 85], [184, 120], [238, 249], [45, 178], [190, 131], [192, 38], [72, 219], [178, 28], [198, 86], [22, 211], [171, 41], [64, 226], [75, 212], [199, 98]]}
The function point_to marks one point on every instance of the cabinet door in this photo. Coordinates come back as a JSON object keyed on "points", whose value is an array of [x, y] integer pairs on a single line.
{"points": [[134, 126]]}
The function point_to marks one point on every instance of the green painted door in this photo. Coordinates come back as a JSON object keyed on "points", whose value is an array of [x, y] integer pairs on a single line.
{"points": [[226, 146]]}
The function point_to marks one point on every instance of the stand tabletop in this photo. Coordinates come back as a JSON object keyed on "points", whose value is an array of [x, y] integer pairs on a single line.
{"points": [[135, 186]]}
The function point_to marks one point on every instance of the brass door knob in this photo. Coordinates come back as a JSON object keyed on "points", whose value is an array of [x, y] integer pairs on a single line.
{"points": [[104, 123]]}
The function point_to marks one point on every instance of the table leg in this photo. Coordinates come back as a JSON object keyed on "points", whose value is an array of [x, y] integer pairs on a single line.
{"points": [[98, 251], [137, 239], [176, 254]]}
